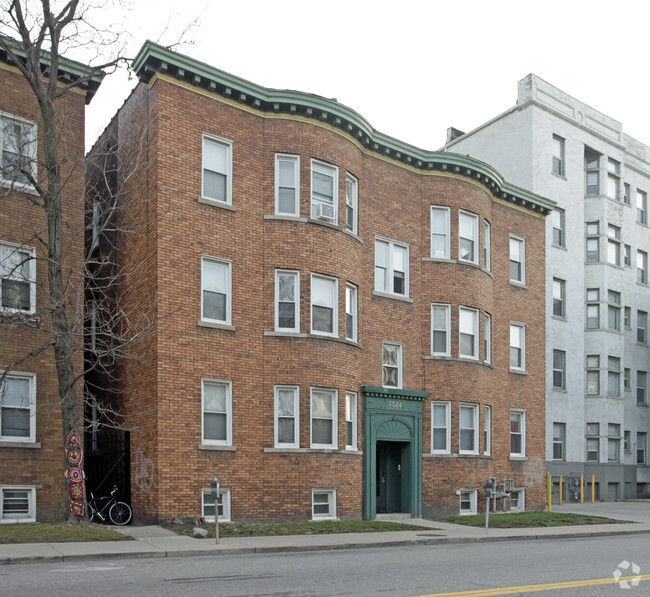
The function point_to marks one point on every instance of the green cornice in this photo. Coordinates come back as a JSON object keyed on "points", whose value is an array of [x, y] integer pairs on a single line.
{"points": [[70, 71], [153, 58], [395, 393]]}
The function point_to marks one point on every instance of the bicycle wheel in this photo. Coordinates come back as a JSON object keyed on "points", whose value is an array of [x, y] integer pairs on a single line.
{"points": [[120, 513], [91, 512]]}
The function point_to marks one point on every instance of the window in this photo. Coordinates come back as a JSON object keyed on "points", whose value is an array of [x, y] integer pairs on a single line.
{"points": [[18, 145], [614, 310], [627, 256], [627, 375], [468, 440], [391, 365], [467, 237], [558, 155], [391, 267], [440, 232], [440, 326], [559, 291], [593, 374], [351, 312], [641, 385], [287, 301], [223, 505], [517, 267], [351, 202], [593, 252], [440, 427], [324, 415], [487, 338], [18, 504], [215, 290], [324, 305], [518, 499], [627, 318], [350, 421], [613, 179], [287, 421], [216, 399], [468, 501], [642, 267], [641, 207], [593, 308], [324, 192], [468, 333], [641, 446], [287, 184], [487, 245], [613, 245], [517, 346], [592, 172], [626, 442], [593, 442], [323, 504], [18, 408], [613, 376], [487, 430], [557, 220], [613, 442], [217, 169], [559, 441], [559, 369], [17, 278], [517, 433], [95, 224], [641, 327]]}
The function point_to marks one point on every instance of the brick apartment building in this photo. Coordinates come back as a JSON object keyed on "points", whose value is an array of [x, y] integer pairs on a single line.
{"points": [[32, 483], [347, 324]]}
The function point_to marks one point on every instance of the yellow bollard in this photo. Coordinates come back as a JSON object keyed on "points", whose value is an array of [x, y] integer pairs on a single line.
{"points": [[593, 488], [560, 490], [548, 492], [582, 489]]}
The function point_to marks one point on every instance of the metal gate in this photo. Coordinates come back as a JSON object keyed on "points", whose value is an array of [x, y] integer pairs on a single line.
{"points": [[108, 462]]}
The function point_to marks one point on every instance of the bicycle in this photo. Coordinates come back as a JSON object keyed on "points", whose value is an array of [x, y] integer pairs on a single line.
{"points": [[119, 512]]}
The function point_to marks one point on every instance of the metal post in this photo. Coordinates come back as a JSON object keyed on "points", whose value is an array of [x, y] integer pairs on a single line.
{"points": [[560, 497], [582, 489], [216, 519], [487, 514], [593, 488], [548, 492]]}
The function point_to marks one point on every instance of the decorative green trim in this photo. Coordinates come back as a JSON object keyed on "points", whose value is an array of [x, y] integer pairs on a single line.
{"points": [[376, 392], [153, 58]]}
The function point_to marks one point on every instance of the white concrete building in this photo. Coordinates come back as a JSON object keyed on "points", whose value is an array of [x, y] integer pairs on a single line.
{"points": [[598, 240]]}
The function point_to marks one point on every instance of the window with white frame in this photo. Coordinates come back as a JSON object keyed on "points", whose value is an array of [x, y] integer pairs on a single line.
{"points": [[216, 290], [626, 442], [324, 192], [592, 241], [217, 169], [18, 145], [641, 385], [558, 155], [323, 504], [467, 237], [613, 376], [518, 500], [440, 327], [627, 318], [517, 433], [391, 365], [440, 232], [351, 202], [351, 312], [350, 421], [627, 379], [440, 427], [517, 346], [593, 308], [287, 419], [517, 260], [593, 442], [468, 501], [216, 401], [627, 255], [558, 222], [468, 429], [287, 185], [223, 505], [559, 441], [17, 504], [391, 267], [559, 369], [593, 374], [468, 333], [613, 179], [324, 305], [641, 447], [17, 278], [324, 415], [592, 172], [487, 245], [287, 301], [613, 244], [614, 310], [559, 297], [642, 267], [613, 442], [627, 195], [487, 430], [641, 327], [18, 408], [487, 338], [641, 207]]}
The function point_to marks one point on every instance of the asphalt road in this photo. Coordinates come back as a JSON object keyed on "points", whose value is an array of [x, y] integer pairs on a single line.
{"points": [[558, 567]]}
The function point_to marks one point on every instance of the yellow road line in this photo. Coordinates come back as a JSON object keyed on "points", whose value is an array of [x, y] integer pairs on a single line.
{"points": [[534, 588]]}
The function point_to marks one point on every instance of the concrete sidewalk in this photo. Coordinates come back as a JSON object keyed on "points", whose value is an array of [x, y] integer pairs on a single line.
{"points": [[156, 542]]}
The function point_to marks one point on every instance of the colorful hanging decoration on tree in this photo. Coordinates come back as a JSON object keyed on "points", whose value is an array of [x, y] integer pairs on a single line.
{"points": [[75, 474]]}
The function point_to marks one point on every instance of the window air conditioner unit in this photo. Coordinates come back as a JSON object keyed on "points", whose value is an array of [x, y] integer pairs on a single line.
{"points": [[325, 212]]}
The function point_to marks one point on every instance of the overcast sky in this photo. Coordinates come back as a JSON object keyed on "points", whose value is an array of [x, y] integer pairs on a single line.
{"points": [[411, 68]]}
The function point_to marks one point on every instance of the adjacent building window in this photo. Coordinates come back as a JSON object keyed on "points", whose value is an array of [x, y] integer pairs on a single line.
{"points": [[323, 504], [468, 439], [557, 220], [592, 244], [641, 207], [17, 278], [324, 305], [351, 202], [216, 290], [592, 172], [593, 374], [641, 327], [17, 504], [593, 308], [517, 346], [558, 156], [487, 338], [351, 312], [517, 433], [613, 442], [324, 192], [350, 421], [287, 301], [223, 505], [287, 185], [614, 310], [287, 421], [217, 169], [324, 414], [559, 441], [613, 245], [468, 501], [641, 385], [593, 442], [642, 267], [440, 427], [517, 264], [440, 232], [467, 237], [440, 327], [391, 267], [487, 430], [559, 297], [468, 333], [391, 369], [641, 447], [613, 179], [487, 245], [18, 145], [613, 376], [559, 369], [216, 400], [18, 408]]}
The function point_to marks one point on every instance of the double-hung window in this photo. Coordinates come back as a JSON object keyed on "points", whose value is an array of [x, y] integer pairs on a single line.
{"points": [[613, 179], [324, 192], [468, 333], [391, 267], [593, 374], [559, 369], [593, 241], [468, 432], [287, 301], [467, 237], [593, 308], [287, 420], [641, 267], [558, 155], [487, 430], [324, 416], [17, 278], [18, 408], [614, 310], [350, 421], [487, 338], [641, 386], [351, 312], [641, 207], [558, 222], [627, 255], [324, 305], [216, 290], [613, 376], [641, 327], [217, 169], [440, 326], [559, 297], [641, 447], [517, 433], [216, 399], [517, 346], [559, 441], [18, 145], [592, 173], [287, 185], [517, 260], [351, 203], [627, 379], [613, 244], [593, 442], [391, 369], [440, 427], [487, 245], [440, 232]]}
